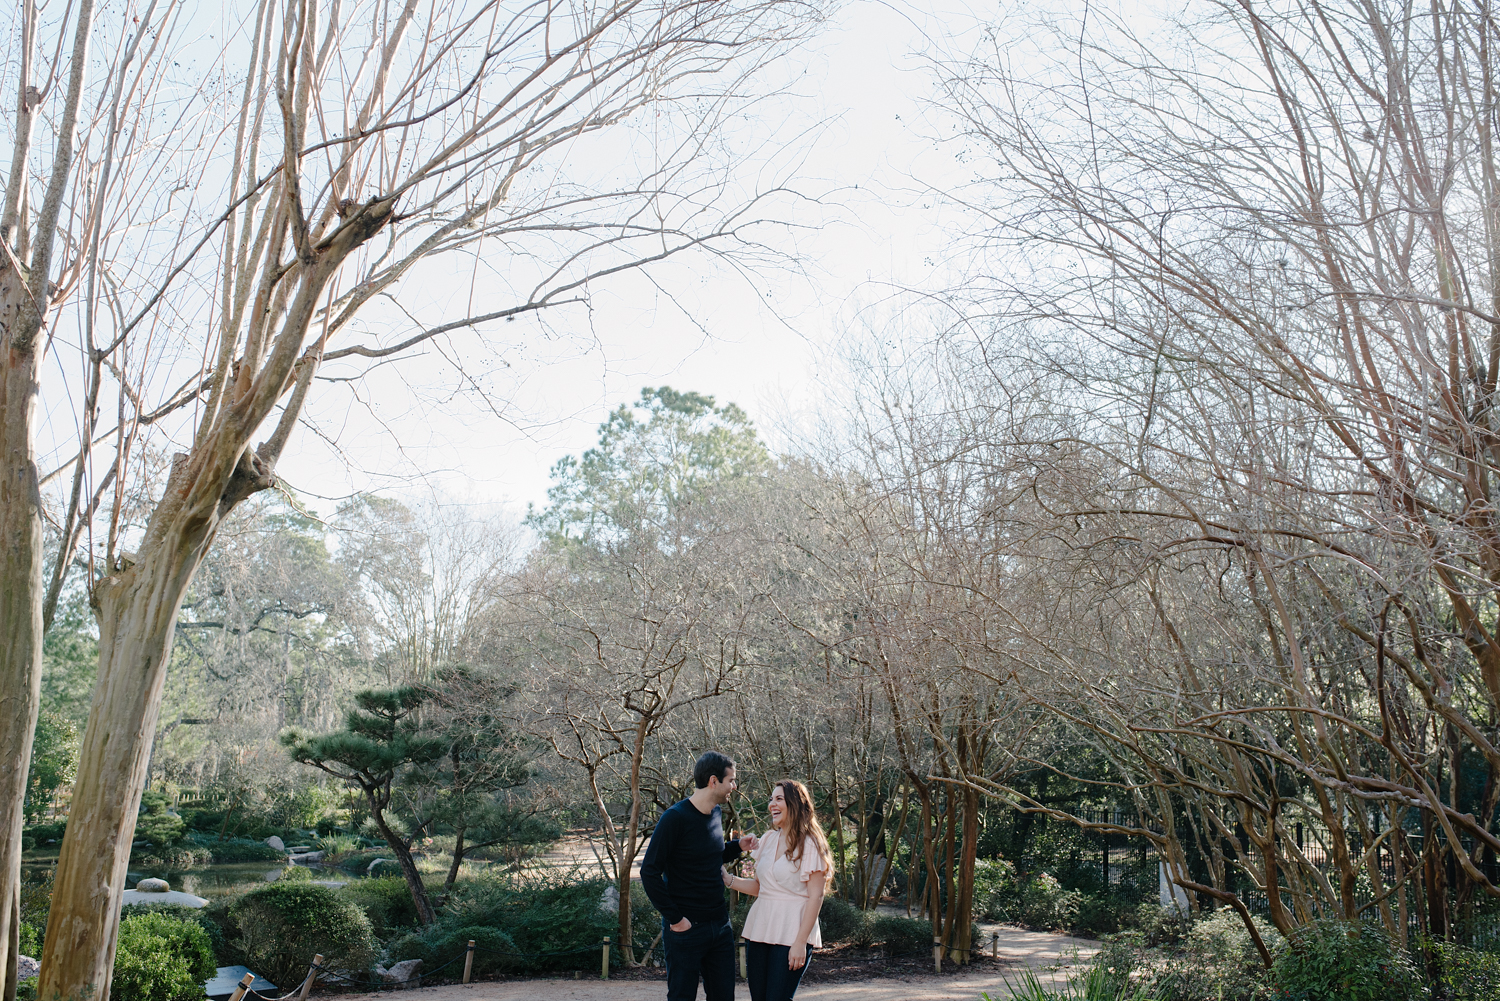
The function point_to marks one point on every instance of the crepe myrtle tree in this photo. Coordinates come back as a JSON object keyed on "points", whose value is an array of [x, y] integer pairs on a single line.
{"points": [[205, 244], [382, 736]]}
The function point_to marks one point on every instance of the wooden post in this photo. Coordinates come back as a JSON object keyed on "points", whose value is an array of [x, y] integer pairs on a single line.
{"points": [[604, 967], [312, 974], [468, 960], [937, 955], [744, 965], [245, 982], [994, 945]]}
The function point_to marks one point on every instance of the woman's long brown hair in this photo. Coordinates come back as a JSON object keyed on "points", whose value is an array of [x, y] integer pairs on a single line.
{"points": [[802, 823]]}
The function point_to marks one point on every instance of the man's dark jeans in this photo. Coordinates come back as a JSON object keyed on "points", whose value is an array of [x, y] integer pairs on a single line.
{"points": [[705, 950]]}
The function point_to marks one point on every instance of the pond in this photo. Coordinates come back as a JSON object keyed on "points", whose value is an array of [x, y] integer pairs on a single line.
{"points": [[229, 878], [222, 879]]}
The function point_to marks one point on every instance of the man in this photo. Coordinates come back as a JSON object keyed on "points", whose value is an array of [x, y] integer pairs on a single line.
{"points": [[681, 875]]}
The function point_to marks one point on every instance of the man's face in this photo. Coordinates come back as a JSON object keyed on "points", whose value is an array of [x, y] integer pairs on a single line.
{"points": [[723, 788]]}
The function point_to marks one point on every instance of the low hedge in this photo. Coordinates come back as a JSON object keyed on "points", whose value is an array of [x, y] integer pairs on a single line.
{"points": [[161, 958], [282, 925]]}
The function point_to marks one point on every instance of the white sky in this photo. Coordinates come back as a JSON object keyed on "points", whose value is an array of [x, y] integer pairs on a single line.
{"points": [[764, 344]]}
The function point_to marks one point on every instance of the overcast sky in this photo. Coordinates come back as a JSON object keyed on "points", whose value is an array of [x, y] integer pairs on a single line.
{"points": [[858, 135]]}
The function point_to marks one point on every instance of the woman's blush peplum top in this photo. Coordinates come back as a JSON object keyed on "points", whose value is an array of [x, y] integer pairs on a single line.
{"points": [[776, 916]]}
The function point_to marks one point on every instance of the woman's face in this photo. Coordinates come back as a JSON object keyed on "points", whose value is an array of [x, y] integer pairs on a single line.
{"points": [[777, 806]]}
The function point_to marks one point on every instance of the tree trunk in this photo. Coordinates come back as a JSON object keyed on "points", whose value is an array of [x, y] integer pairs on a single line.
{"points": [[137, 613], [20, 625], [458, 858], [402, 851]]}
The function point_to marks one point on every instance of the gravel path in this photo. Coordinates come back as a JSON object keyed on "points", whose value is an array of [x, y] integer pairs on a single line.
{"points": [[1019, 950]]}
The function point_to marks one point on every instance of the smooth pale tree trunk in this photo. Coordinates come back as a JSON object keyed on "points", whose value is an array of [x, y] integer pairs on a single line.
{"points": [[137, 612], [137, 605], [20, 625]]}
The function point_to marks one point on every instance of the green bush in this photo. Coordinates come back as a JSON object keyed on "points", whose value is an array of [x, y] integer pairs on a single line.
{"points": [[180, 912], [235, 849], [1103, 914], [841, 921], [31, 940], [281, 926], [902, 936], [386, 900], [494, 951], [43, 833], [156, 823], [1468, 974], [1342, 961], [556, 918], [1044, 904], [161, 958]]}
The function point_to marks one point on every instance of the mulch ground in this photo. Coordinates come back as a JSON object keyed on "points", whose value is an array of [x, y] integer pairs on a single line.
{"points": [[847, 964]]}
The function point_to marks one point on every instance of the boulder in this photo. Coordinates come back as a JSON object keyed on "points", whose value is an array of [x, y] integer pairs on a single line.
{"points": [[609, 901], [153, 885], [276, 843], [306, 858], [403, 973], [26, 967], [300, 848], [157, 897]]}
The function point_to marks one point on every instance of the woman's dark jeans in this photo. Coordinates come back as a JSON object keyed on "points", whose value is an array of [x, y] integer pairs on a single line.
{"points": [[766, 969]]}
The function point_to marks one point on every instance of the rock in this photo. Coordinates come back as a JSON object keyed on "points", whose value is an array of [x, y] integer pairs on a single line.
{"points": [[306, 858], [153, 886], [403, 973], [332, 884], [26, 967], [157, 897], [609, 901], [300, 848], [276, 843]]}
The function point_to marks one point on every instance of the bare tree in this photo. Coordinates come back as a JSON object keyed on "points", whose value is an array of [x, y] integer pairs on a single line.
{"points": [[337, 163]]}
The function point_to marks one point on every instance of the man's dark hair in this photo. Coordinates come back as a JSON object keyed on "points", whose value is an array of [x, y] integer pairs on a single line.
{"points": [[711, 765]]}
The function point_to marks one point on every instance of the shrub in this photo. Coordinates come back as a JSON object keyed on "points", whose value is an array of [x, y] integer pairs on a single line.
{"points": [[494, 951], [235, 849], [31, 940], [1343, 961], [160, 958], [335, 845], [556, 919], [44, 833], [386, 900], [841, 921], [179, 912], [156, 823], [902, 936], [282, 926], [1468, 974], [1103, 914], [1044, 904]]}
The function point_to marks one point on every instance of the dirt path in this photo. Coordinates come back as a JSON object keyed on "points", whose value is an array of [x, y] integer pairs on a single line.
{"points": [[1049, 955]]}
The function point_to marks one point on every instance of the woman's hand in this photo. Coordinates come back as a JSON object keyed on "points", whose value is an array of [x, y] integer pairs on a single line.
{"points": [[797, 957]]}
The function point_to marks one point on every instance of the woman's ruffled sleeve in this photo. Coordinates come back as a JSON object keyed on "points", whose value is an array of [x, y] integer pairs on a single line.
{"points": [[812, 861]]}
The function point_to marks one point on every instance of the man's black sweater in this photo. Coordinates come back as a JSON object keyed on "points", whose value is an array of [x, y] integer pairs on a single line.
{"points": [[681, 869]]}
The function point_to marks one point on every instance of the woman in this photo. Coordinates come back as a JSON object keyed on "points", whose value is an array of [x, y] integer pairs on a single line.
{"points": [[792, 865]]}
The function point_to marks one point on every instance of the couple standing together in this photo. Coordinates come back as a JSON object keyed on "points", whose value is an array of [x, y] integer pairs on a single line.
{"points": [[686, 869]]}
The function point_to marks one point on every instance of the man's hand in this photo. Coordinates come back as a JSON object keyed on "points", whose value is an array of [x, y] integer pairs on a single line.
{"points": [[681, 926], [749, 842], [728, 877]]}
